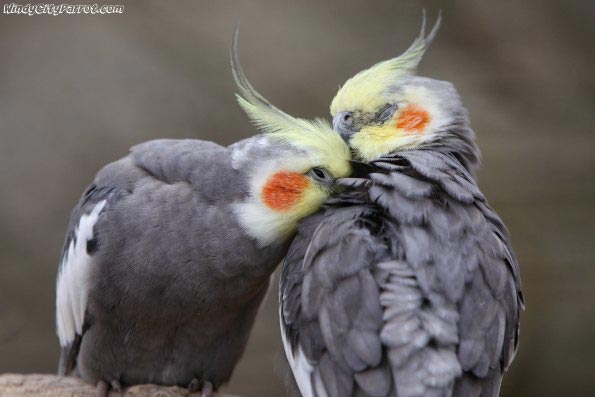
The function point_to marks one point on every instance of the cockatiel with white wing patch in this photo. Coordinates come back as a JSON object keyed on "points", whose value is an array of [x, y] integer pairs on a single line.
{"points": [[170, 250], [405, 284]]}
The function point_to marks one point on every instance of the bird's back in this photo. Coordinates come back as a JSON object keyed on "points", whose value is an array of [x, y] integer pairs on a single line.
{"points": [[163, 255]]}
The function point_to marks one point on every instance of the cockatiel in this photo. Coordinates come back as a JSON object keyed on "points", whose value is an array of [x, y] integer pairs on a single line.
{"points": [[406, 283], [170, 250]]}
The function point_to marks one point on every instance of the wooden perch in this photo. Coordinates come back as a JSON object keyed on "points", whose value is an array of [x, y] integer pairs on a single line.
{"points": [[18, 385]]}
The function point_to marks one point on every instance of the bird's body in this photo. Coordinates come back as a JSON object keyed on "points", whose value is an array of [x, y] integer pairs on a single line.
{"points": [[404, 286], [174, 285], [164, 268]]}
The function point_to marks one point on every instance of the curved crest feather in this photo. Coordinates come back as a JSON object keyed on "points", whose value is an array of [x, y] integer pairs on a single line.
{"points": [[271, 120], [367, 90], [250, 100]]}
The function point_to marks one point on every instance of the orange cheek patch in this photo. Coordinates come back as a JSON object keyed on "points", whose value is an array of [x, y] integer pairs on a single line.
{"points": [[413, 119], [283, 190]]}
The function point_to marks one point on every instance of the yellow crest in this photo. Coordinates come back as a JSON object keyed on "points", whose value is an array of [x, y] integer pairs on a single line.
{"points": [[368, 90], [318, 134]]}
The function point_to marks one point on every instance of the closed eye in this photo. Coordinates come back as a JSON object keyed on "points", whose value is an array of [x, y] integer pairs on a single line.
{"points": [[386, 112], [320, 174]]}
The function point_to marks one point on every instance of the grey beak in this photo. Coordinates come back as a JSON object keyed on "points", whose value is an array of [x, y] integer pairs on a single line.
{"points": [[337, 125]]}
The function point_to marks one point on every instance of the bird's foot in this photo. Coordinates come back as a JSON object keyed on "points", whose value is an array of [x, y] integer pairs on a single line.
{"points": [[194, 386], [102, 389], [206, 387], [117, 386]]}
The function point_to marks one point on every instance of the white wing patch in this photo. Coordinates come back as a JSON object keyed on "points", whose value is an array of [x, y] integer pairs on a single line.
{"points": [[305, 375], [72, 286]]}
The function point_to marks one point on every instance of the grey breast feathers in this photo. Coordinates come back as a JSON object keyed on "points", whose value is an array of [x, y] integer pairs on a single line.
{"points": [[423, 267]]}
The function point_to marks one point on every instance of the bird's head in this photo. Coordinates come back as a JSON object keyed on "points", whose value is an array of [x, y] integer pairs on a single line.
{"points": [[295, 164], [387, 108]]}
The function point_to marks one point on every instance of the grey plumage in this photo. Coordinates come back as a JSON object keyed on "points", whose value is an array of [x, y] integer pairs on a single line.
{"points": [[405, 284], [174, 283], [432, 278], [170, 250]]}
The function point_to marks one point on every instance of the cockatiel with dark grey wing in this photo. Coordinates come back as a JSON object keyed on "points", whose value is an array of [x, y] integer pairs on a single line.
{"points": [[170, 250], [405, 284]]}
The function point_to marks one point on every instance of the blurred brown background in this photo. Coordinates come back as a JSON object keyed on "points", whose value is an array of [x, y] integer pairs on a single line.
{"points": [[77, 91]]}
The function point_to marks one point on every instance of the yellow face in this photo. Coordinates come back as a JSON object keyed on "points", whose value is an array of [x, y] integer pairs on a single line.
{"points": [[288, 188], [377, 113], [403, 131], [404, 121], [297, 189]]}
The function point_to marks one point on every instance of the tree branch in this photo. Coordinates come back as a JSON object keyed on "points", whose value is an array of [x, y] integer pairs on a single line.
{"points": [[19, 385]]}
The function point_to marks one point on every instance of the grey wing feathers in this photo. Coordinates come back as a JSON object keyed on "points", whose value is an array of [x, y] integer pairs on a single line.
{"points": [[426, 253], [71, 317], [175, 160], [148, 164], [330, 305]]}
